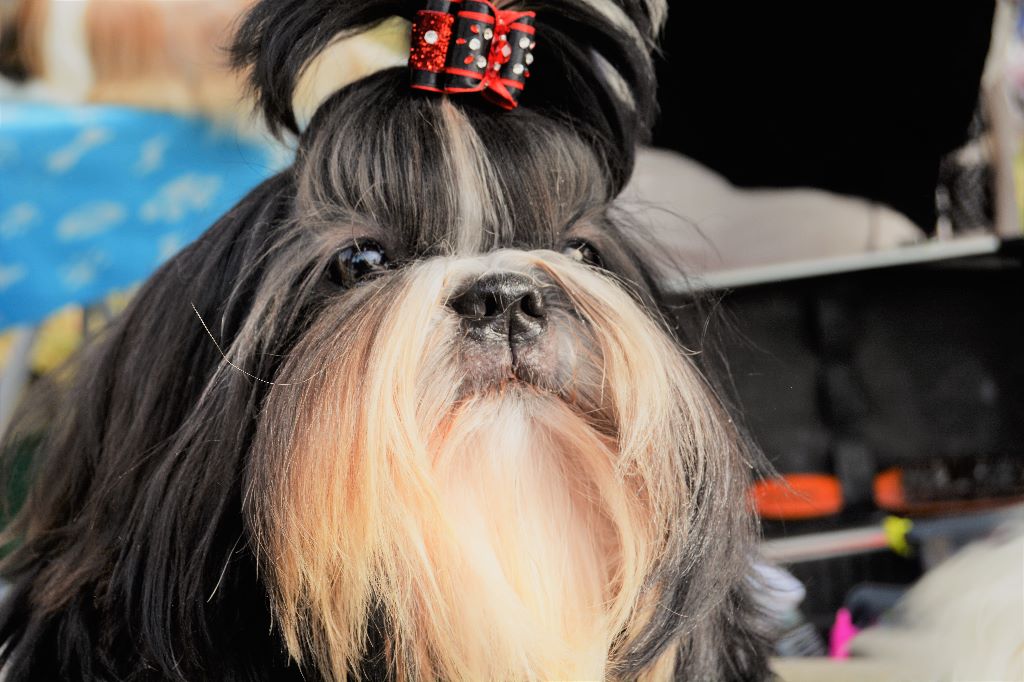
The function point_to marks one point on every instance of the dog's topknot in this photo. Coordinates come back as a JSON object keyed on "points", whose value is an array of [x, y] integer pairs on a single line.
{"points": [[593, 71]]}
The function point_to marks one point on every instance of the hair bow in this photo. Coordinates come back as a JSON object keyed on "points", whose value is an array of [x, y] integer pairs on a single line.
{"points": [[471, 46]]}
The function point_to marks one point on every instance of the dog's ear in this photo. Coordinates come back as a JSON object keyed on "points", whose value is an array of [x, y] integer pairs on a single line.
{"points": [[593, 57], [132, 528]]}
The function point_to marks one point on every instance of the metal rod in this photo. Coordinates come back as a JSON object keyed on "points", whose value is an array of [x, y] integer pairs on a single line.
{"points": [[817, 546], [15, 375]]}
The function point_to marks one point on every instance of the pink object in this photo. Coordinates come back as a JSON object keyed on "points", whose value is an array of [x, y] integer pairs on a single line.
{"points": [[843, 631]]}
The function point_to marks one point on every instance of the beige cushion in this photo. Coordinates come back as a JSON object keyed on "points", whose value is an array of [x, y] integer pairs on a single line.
{"points": [[709, 225]]}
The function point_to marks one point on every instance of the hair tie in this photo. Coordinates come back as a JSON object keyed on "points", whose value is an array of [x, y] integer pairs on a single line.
{"points": [[471, 46], [456, 47]]}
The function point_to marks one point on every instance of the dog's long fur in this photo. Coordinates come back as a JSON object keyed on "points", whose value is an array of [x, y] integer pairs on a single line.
{"points": [[357, 488]]}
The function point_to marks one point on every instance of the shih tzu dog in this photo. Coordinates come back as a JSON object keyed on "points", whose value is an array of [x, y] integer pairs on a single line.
{"points": [[412, 409]]}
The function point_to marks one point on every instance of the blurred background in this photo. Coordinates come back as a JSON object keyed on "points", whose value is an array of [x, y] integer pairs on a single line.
{"points": [[842, 182]]}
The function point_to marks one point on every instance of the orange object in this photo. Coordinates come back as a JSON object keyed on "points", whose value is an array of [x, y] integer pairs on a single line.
{"points": [[891, 495], [889, 491], [798, 496]]}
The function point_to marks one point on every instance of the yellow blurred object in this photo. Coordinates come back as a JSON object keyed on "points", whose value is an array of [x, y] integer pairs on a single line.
{"points": [[58, 338], [61, 334], [896, 529], [6, 340], [1018, 181]]}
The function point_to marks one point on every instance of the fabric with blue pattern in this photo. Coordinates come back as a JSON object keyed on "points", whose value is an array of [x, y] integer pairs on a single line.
{"points": [[94, 198]]}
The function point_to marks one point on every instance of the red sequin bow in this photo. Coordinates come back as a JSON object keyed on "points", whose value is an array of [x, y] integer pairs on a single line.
{"points": [[471, 46]]}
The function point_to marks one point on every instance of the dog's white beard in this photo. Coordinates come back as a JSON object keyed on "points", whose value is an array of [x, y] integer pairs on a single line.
{"points": [[526, 557], [518, 551]]}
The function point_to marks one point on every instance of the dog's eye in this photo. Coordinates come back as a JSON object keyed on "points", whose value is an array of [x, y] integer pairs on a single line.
{"points": [[583, 252], [357, 262]]}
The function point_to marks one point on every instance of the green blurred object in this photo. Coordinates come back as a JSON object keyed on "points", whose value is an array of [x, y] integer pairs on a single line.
{"points": [[16, 477]]}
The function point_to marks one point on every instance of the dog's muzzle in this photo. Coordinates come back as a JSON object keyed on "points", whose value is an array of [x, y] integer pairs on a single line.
{"points": [[503, 308], [514, 326]]}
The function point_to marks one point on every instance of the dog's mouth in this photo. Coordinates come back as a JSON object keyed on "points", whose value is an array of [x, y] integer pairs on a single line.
{"points": [[548, 362]]}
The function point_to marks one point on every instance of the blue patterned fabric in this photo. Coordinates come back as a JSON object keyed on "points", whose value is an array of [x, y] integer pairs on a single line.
{"points": [[94, 198]]}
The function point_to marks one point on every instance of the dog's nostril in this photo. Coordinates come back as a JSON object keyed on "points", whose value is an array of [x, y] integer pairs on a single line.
{"points": [[472, 307], [491, 305], [533, 304]]}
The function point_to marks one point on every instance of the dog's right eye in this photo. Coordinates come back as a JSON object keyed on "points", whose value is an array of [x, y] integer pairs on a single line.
{"points": [[358, 262], [584, 252]]}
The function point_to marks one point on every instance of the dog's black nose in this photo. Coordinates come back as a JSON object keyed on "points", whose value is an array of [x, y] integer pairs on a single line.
{"points": [[505, 304]]}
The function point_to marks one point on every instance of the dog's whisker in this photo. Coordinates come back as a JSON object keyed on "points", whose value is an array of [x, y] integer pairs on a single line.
{"points": [[224, 570], [236, 367], [221, 351]]}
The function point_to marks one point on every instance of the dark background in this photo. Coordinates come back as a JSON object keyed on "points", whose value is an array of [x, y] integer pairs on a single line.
{"points": [[860, 98], [916, 366]]}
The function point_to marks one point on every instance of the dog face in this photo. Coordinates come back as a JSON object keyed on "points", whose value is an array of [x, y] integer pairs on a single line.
{"points": [[411, 410], [483, 430]]}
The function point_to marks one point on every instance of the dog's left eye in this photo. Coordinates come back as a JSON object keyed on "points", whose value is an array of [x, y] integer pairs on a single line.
{"points": [[584, 252], [357, 262]]}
